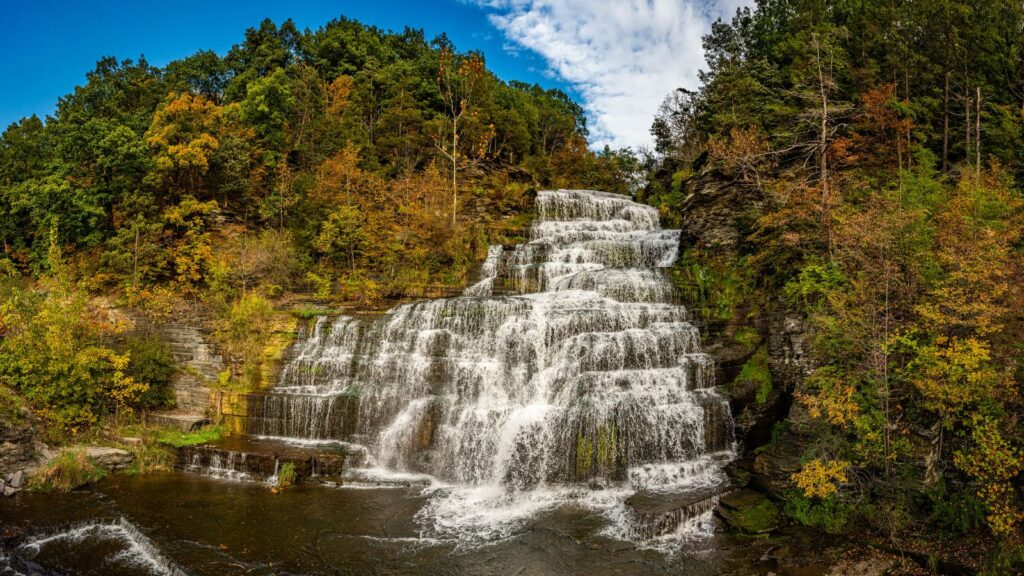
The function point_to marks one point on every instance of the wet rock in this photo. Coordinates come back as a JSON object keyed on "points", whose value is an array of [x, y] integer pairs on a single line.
{"points": [[748, 511], [17, 479], [110, 458], [653, 513], [8, 491]]}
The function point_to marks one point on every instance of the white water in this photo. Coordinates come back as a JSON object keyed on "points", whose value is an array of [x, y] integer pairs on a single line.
{"points": [[136, 551], [568, 366]]}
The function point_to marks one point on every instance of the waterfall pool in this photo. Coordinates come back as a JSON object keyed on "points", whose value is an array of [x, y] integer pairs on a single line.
{"points": [[178, 523]]}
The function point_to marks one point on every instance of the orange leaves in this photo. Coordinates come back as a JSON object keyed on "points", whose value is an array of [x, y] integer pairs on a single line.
{"points": [[744, 153], [339, 93], [881, 127]]}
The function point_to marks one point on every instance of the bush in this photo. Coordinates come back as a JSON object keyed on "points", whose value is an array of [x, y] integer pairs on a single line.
{"points": [[756, 371], [152, 363], [285, 475], [828, 515], [69, 470]]}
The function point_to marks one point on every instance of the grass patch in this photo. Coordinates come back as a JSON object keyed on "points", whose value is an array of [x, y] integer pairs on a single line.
{"points": [[756, 371], [68, 470], [308, 312], [286, 476], [177, 438]]}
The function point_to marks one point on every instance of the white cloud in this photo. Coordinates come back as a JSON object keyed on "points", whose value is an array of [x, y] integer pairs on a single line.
{"points": [[623, 56]]}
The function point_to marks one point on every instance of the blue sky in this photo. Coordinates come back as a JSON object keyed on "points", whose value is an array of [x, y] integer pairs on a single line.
{"points": [[617, 57]]}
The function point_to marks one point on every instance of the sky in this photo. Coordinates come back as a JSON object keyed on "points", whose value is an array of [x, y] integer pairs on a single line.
{"points": [[618, 58]]}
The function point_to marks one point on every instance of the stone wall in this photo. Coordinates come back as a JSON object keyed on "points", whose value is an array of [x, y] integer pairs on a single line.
{"points": [[17, 446], [198, 363]]}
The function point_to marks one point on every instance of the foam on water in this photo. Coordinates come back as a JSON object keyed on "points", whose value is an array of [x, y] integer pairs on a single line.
{"points": [[137, 551]]}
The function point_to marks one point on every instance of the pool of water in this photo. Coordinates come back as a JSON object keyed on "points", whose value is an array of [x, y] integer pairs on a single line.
{"points": [[175, 523]]}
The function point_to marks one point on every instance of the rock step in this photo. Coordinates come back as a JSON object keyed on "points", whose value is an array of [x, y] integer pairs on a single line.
{"points": [[183, 421], [653, 513], [255, 459], [748, 511]]}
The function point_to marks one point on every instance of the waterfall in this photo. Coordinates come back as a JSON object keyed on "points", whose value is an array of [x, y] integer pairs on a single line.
{"points": [[568, 364]]}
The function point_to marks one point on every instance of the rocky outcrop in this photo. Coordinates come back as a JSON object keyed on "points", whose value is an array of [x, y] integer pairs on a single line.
{"points": [[198, 362], [717, 211], [789, 348], [17, 446], [112, 459], [776, 462]]}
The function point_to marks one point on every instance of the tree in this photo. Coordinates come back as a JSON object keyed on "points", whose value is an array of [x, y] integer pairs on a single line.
{"points": [[458, 80]]}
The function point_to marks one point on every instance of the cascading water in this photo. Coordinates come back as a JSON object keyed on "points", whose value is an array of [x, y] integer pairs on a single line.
{"points": [[567, 372]]}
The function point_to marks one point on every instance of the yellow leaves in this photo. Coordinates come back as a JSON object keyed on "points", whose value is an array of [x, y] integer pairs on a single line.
{"points": [[820, 479], [955, 373], [833, 399], [994, 463], [184, 133]]}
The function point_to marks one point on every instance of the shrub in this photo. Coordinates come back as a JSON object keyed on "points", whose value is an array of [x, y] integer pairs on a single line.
{"points": [[285, 475], [69, 470], [152, 363], [828, 515], [756, 371]]}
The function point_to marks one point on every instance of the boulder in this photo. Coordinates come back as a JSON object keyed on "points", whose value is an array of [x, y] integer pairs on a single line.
{"points": [[18, 479], [110, 458], [8, 491], [749, 512]]}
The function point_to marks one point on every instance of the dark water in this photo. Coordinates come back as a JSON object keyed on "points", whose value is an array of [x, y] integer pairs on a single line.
{"points": [[177, 523]]}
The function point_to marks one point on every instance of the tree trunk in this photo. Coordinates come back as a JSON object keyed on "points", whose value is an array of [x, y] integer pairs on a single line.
{"points": [[932, 460], [977, 133], [945, 127]]}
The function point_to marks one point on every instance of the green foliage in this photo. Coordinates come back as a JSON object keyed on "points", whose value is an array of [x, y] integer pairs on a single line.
{"points": [[65, 472], [713, 287], [747, 336], [828, 515], [756, 371], [62, 360], [177, 438], [285, 476], [152, 363]]}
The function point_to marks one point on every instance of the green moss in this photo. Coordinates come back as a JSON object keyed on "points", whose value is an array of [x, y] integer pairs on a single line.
{"points": [[747, 337], [308, 312], [178, 438], [607, 447], [749, 512], [756, 371], [713, 287], [584, 455], [68, 470]]}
